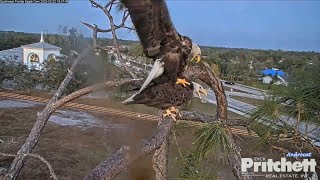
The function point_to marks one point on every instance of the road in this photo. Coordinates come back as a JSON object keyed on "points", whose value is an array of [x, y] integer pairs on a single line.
{"points": [[247, 89]]}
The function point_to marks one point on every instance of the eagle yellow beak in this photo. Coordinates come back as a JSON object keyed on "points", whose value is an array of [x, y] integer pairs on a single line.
{"points": [[197, 58], [202, 91]]}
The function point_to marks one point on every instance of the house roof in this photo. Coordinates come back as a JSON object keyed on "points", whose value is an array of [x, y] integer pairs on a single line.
{"points": [[15, 55], [273, 72], [41, 45]]}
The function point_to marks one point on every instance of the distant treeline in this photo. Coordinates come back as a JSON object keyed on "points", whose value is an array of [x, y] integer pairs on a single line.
{"points": [[233, 63], [12, 39]]}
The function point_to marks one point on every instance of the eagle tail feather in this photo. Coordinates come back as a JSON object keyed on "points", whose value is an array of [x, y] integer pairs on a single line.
{"points": [[156, 71], [129, 100]]}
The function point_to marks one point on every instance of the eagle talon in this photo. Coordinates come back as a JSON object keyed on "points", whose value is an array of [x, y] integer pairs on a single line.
{"points": [[183, 82], [172, 113], [176, 111]]}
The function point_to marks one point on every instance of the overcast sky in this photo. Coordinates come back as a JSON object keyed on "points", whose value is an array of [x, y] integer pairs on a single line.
{"points": [[286, 25]]}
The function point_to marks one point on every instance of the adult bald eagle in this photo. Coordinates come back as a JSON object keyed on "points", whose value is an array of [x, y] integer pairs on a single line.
{"points": [[161, 42], [167, 95]]}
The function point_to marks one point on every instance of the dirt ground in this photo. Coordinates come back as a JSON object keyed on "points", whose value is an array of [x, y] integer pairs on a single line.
{"points": [[74, 151]]}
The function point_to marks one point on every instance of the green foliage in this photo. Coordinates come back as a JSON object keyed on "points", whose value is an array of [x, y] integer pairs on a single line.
{"points": [[9, 70], [55, 71], [299, 103], [136, 50], [50, 77], [11, 39], [191, 169], [211, 138], [312, 94], [269, 111], [28, 79], [234, 63]]}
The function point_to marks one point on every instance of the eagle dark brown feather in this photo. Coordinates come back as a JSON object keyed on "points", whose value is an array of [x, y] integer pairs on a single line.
{"points": [[153, 25], [158, 36], [164, 95], [160, 41]]}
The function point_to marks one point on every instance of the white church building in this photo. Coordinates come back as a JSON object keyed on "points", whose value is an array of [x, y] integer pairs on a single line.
{"points": [[32, 55]]}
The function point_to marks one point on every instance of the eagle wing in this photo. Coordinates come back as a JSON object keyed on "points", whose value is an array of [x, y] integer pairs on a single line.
{"points": [[153, 25], [163, 95], [158, 37]]}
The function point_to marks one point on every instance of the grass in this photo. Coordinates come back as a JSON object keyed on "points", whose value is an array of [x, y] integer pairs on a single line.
{"points": [[260, 85]]}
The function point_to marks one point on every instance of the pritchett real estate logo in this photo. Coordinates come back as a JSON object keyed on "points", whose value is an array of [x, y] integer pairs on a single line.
{"points": [[261, 166]]}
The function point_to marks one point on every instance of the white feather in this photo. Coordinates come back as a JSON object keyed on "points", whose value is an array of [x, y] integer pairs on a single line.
{"points": [[156, 71]]}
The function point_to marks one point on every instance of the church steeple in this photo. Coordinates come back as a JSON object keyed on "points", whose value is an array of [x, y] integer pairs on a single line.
{"points": [[41, 40]]}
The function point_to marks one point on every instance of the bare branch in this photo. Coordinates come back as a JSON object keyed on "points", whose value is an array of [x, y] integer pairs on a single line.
{"points": [[109, 3], [114, 35], [196, 116], [237, 122], [88, 90], [120, 160], [3, 171], [95, 28], [52, 173]]}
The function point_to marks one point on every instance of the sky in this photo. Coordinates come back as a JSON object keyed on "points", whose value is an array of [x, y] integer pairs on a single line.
{"points": [[282, 24]]}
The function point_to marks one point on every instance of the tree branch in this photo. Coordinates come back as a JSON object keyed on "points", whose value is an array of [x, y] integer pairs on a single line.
{"points": [[114, 35], [234, 158], [196, 116], [95, 27], [206, 75], [88, 90], [121, 160], [52, 173], [160, 158]]}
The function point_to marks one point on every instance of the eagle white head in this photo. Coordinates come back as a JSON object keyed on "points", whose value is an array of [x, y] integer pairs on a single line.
{"points": [[197, 88], [195, 53]]}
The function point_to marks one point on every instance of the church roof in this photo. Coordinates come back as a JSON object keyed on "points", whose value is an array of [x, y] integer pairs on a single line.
{"points": [[41, 45]]}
